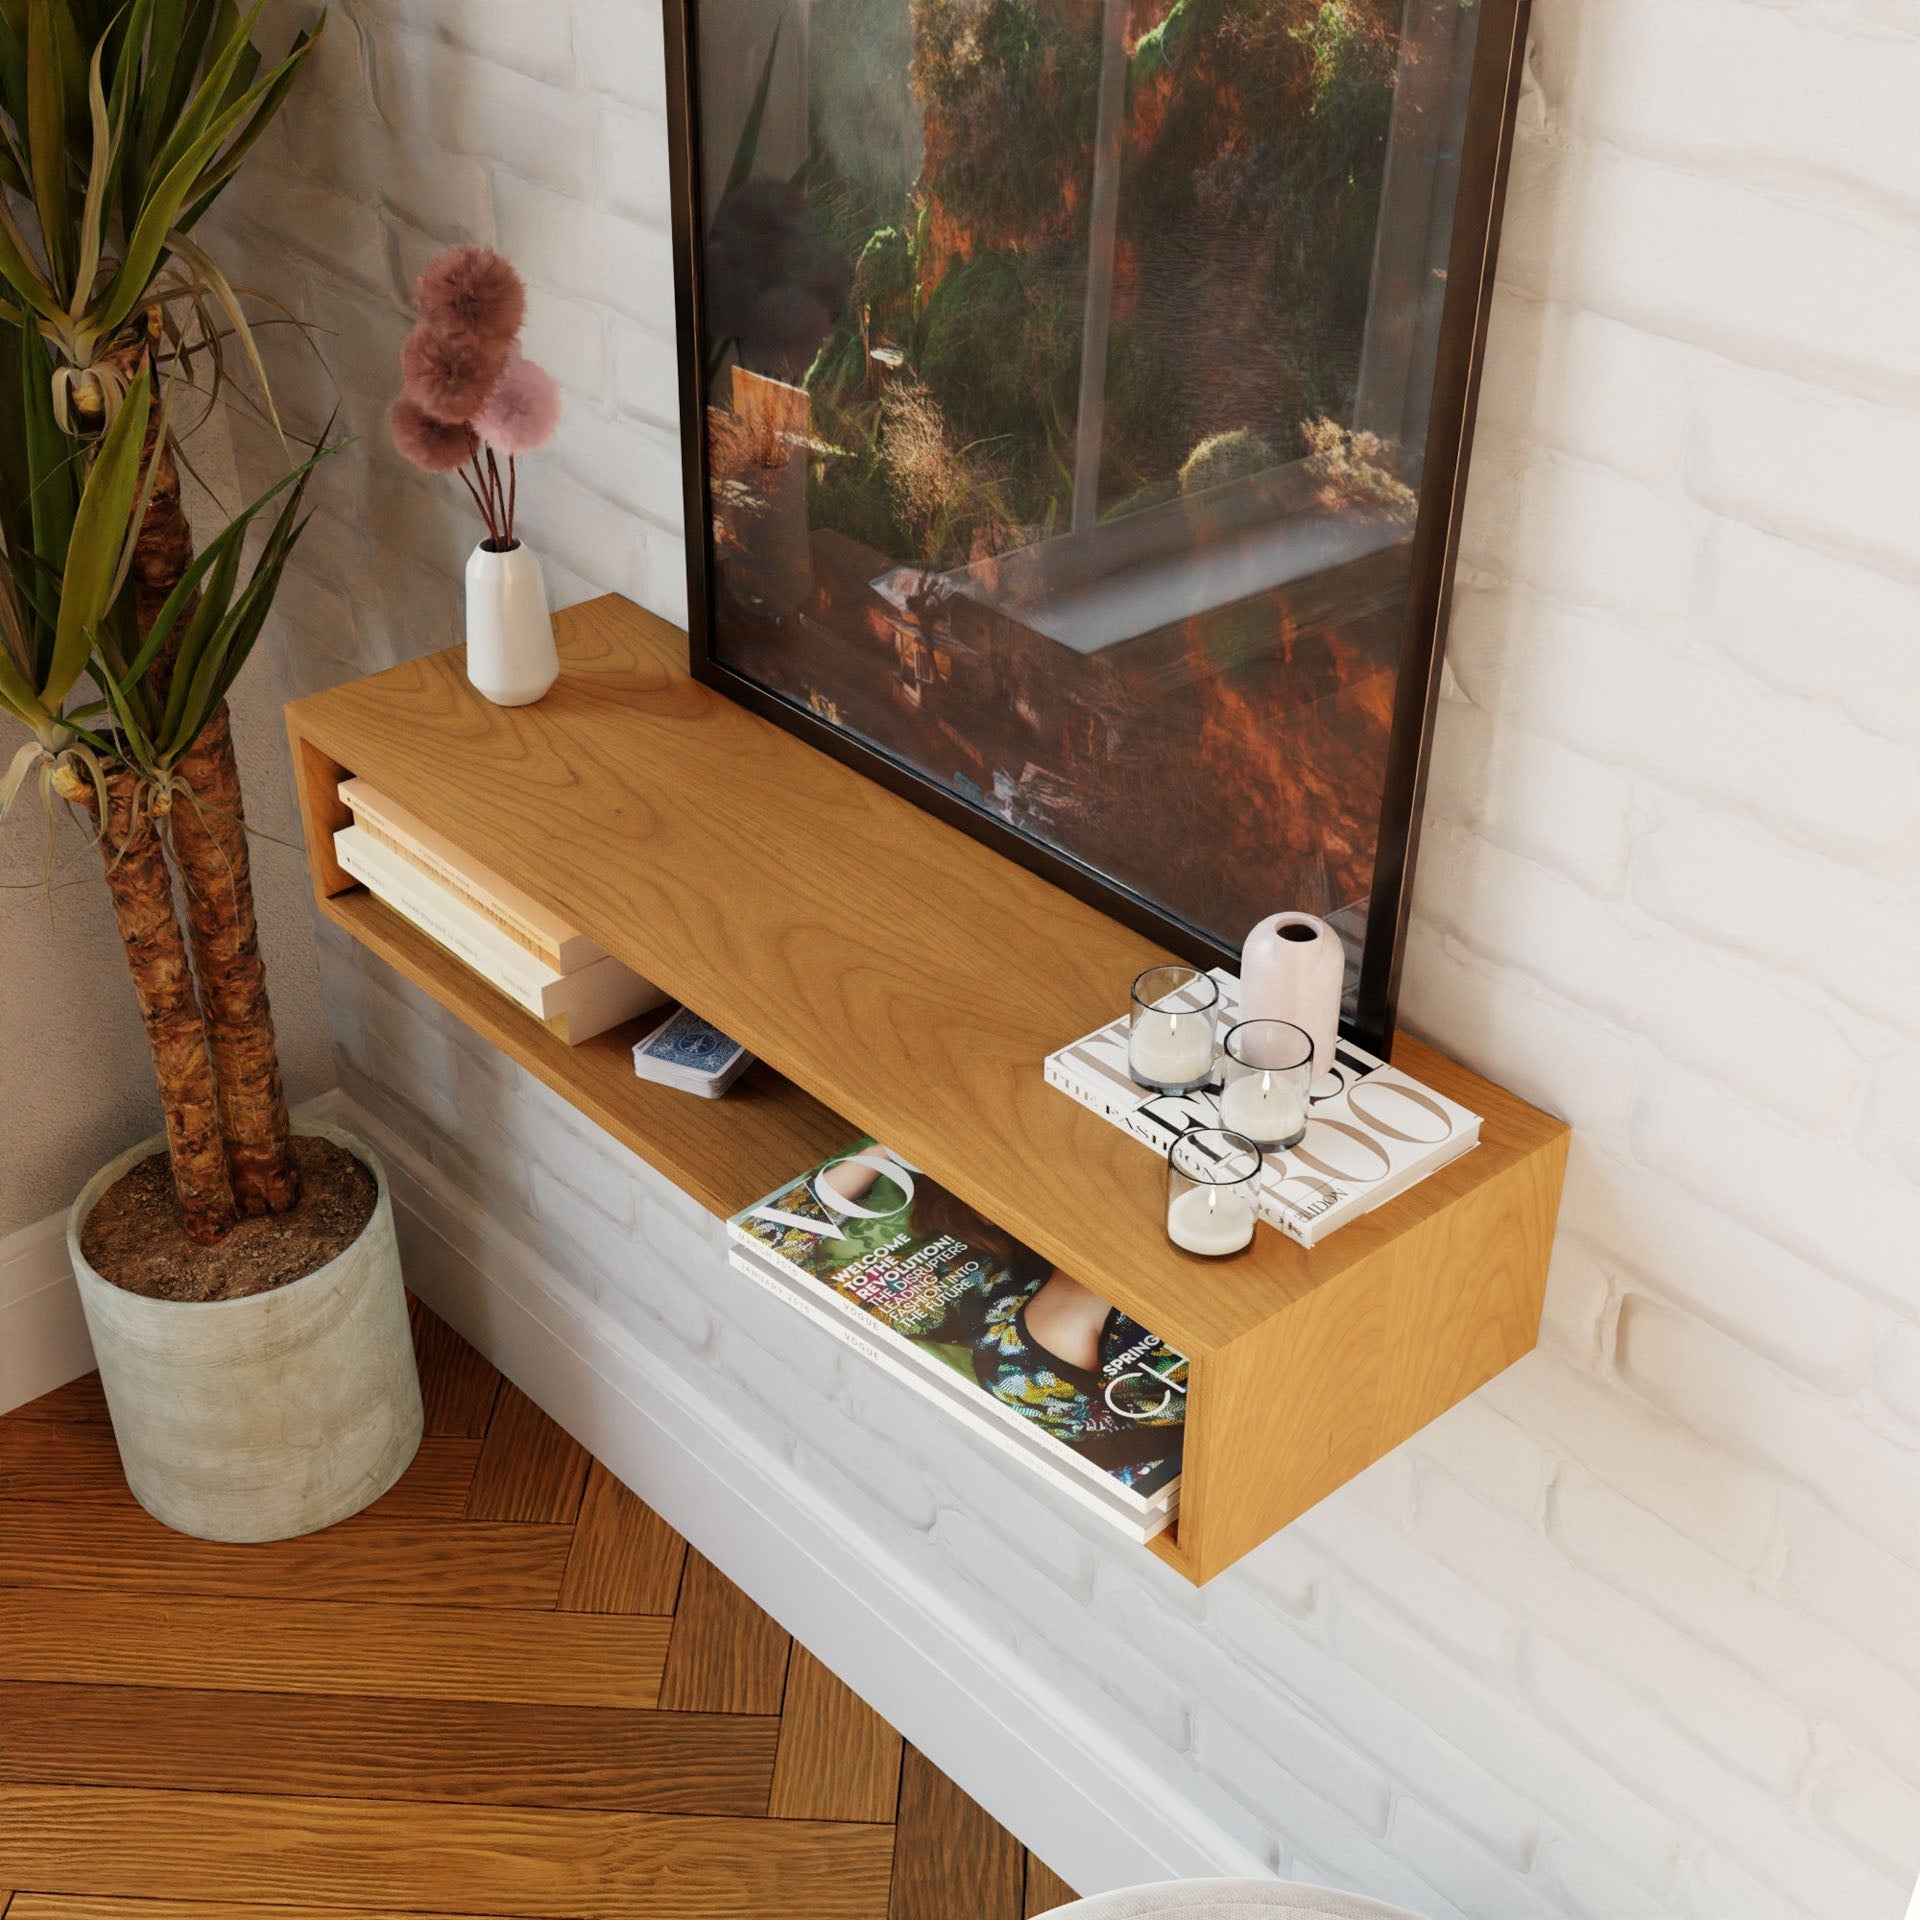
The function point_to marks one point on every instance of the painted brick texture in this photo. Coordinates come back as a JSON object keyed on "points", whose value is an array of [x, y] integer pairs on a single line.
{"points": [[1637, 1630]]}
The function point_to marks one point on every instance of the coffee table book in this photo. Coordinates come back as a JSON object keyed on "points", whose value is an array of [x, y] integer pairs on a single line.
{"points": [[1371, 1134]]}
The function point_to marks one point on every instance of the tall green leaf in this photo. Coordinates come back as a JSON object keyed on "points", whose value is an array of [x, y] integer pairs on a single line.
{"points": [[149, 239], [47, 138], [100, 532]]}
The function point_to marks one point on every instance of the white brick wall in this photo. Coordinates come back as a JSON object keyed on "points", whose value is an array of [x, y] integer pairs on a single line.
{"points": [[1636, 1631]]}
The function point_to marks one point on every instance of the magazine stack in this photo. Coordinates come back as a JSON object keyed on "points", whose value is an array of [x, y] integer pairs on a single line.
{"points": [[895, 1266], [531, 955]]}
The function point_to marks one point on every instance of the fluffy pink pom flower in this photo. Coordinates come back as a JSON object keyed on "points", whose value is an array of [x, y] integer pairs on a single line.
{"points": [[451, 375], [434, 446], [472, 291], [524, 412]]}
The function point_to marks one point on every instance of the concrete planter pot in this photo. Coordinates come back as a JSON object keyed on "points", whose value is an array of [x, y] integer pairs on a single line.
{"points": [[261, 1418]]}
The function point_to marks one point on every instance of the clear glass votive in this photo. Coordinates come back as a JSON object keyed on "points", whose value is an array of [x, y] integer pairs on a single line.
{"points": [[1268, 1078], [1210, 1176], [1170, 1043]]}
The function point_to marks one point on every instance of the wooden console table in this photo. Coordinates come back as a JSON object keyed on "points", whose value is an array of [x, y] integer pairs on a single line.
{"points": [[898, 978]]}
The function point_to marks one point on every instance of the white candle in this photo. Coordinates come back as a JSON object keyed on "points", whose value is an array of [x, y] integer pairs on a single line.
{"points": [[1211, 1220], [1171, 1049], [1268, 1108]]}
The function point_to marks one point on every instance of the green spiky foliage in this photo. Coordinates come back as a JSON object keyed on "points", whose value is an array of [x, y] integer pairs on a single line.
{"points": [[69, 524], [119, 127]]}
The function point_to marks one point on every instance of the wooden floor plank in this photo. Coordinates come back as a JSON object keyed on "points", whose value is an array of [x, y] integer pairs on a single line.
{"points": [[81, 1399], [336, 1647], [470, 1753], [457, 1385], [838, 1759], [76, 1460], [726, 1656], [87, 1906], [362, 1855], [410, 1562], [1045, 1889], [625, 1558], [950, 1857], [530, 1467]]}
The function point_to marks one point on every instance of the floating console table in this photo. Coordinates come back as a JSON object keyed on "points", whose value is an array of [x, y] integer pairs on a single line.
{"points": [[898, 978]]}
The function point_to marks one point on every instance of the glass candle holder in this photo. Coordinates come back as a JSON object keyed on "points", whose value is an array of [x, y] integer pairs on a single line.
{"points": [[1170, 1043], [1268, 1080], [1210, 1176]]}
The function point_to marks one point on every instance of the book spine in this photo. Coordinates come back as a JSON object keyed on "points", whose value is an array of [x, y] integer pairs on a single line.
{"points": [[1142, 1527], [443, 873], [907, 1354], [517, 915], [585, 1003], [417, 905]]}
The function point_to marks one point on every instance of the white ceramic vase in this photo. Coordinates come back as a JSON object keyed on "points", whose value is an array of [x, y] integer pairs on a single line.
{"points": [[1294, 968], [510, 652], [268, 1416]]}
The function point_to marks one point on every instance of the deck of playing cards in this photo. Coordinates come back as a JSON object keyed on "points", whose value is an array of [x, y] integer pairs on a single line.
{"points": [[686, 1052]]}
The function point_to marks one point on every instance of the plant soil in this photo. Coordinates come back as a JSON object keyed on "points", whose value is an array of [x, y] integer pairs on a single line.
{"points": [[133, 1236]]}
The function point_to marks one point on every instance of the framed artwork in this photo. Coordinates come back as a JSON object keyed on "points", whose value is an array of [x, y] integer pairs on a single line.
{"points": [[1077, 397]]}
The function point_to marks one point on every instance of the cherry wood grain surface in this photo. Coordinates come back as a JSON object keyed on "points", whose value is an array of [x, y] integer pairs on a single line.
{"points": [[897, 977]]}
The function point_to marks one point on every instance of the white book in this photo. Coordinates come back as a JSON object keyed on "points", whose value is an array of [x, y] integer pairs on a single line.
{"points": [[935, 1383], [575, 1005], [1372, 1135], [912, 1362], [543, 933]]}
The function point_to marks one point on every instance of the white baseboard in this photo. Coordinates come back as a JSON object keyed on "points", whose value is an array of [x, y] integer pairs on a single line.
{"points": [[43, 1334], [1024, 1752]]}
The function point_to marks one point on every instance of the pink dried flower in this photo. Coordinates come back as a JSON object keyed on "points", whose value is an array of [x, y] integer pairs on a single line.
{"points": [[472, 291], [434, 446], [450, 375], [524, 412]]}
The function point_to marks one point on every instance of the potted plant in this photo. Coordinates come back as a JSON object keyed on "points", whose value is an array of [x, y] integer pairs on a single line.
{"points": [[239, 1275]]}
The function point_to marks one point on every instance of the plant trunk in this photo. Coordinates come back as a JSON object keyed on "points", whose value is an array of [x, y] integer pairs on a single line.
{"points": [[142, 892], [210, 849], [209, 832], [163, 550]]}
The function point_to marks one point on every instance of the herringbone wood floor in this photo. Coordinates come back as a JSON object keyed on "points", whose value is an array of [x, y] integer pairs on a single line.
{"points": [[508, 1688]]}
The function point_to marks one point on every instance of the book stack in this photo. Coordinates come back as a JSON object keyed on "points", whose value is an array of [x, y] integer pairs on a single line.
{"points": [[892, 1264], [1374, 1133], [512, 942]]}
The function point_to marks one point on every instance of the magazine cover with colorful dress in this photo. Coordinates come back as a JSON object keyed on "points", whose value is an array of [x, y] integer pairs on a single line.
{"points": [[884, 1237]]}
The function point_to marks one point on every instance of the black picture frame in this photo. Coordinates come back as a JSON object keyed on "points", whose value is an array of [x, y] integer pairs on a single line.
{"points": [[1484, 162]]}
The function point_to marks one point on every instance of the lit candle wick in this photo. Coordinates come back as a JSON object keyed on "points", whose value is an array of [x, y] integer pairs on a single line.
{"points": [[1173, 1027], [1213, 1199], [1266, 1085]]}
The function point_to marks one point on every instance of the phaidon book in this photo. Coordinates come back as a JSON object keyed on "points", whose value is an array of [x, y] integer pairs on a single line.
{"points": [[894, 1265]]}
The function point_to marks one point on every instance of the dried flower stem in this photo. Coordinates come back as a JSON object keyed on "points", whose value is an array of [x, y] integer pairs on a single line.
{"points": [[481, 498]]}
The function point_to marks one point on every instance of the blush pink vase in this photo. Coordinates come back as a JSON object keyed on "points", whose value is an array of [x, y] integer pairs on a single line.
{"points": [[1293, 968]]}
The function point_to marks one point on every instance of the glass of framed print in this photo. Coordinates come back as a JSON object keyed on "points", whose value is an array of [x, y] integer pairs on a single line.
{"points": [[1076, 399]]}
